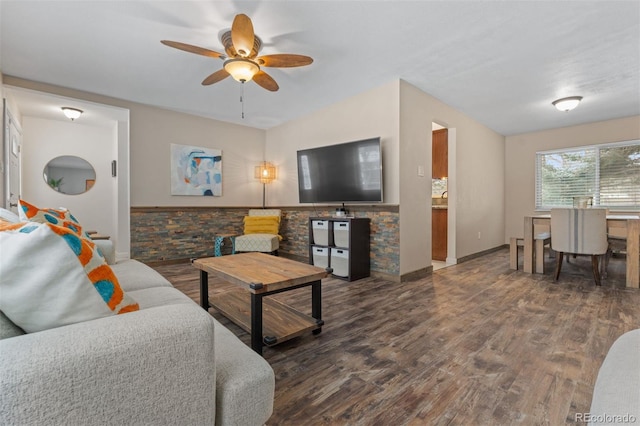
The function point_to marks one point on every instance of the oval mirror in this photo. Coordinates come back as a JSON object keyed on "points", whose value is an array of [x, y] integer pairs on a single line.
{"points": [[69, 174]]}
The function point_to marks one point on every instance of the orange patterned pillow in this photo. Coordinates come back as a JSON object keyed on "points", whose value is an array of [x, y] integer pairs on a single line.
{"points": [[60, 217], [51, 277]]}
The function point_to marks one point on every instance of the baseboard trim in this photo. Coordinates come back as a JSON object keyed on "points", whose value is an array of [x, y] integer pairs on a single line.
{"points": [[481, 253], [416, 275], [384, 276]]}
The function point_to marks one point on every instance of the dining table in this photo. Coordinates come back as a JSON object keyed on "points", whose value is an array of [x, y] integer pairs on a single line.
{"points": [[620, 224]]}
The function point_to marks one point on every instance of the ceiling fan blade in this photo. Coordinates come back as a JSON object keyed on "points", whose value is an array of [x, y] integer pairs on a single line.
{"points": [[221, 74], [266, 81], [284, 60], [192, 49], [242, 35]]}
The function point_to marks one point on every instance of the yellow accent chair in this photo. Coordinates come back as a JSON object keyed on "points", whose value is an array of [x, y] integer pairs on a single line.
{"points": [[261, 232]]}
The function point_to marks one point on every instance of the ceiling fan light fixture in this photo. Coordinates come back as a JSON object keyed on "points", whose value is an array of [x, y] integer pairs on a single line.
{"points": [[567, 104], [241, 69], [72, 113]]}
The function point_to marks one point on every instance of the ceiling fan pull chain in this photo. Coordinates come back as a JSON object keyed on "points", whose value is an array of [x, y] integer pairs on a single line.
{"points": [[242, 100]]}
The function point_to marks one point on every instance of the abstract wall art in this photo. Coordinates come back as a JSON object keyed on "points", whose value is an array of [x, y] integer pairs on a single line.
{"points": [[196, 171]]}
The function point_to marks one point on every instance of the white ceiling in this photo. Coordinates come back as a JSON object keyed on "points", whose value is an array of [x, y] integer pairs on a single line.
{"points": [[500, 62]]}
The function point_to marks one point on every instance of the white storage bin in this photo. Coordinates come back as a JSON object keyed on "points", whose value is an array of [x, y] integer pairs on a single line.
{"points": [[320, 256], [341, 234], [320, 232], [340, 262]]}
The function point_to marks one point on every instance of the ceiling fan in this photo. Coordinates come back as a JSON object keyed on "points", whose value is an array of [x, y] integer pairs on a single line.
{"points": [[241, 60]]}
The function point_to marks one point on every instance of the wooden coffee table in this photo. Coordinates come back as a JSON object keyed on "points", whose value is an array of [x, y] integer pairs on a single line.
{"points": [[258, 275]]}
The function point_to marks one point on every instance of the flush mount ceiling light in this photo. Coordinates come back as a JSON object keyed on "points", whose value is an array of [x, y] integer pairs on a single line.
{"points": [[567, 104], [72, 113]]}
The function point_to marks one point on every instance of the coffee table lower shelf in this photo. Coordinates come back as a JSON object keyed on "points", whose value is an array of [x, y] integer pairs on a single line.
{"points": [[280, 321]]}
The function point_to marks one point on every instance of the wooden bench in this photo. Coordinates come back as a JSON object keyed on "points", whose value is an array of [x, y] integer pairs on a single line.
{"points": [[540, 241]]}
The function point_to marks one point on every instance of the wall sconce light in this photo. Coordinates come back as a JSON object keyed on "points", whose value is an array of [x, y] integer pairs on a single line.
{"points": [[567, 104], [265, 173], [72, 113]]}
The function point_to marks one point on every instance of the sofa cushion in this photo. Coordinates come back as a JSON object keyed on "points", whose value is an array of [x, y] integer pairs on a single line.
{"points": [[241, 372], [9, 216], [617, 390], [8, 328], [106, 250], [159, 296], [135, 275], [50, 277], [264, 243]]}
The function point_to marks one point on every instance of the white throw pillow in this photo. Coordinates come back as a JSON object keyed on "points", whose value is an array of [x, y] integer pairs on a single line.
{"points": [[50, 277]]}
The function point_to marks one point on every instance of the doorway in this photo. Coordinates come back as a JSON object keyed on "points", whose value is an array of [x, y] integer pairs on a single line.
{"points": [[13, 140], [439, 196], [100, 136]]}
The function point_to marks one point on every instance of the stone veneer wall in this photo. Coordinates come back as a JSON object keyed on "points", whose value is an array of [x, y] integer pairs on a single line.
{"points": [[174, 233]]}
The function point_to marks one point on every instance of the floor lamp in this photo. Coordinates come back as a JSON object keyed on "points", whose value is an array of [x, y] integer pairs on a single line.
{"points": [[266, 173]]}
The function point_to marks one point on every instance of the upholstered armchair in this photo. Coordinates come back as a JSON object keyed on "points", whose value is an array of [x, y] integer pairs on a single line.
{"points": [[261, 232], [579, 231]]}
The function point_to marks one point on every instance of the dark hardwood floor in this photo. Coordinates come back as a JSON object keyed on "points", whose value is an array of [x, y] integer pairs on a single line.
{"points": [[471, 344]]}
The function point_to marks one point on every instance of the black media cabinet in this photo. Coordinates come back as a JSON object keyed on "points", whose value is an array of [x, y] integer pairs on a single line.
{"points": [[342, 243]]}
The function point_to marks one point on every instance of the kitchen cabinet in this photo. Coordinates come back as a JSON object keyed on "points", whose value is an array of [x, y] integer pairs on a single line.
{"points": [[440, 154], [439, 234]]}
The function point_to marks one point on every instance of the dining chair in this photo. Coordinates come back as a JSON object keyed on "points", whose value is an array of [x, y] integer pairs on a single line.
{"points": [[579, 232], [617, 244]]}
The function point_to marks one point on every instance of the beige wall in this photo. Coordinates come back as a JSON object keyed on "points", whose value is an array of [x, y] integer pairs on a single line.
{"points": [[401, 115], [520, 157], [491, 187], [370, 114], [44, 140], [476, 179], [415, 191], [151, 132]]}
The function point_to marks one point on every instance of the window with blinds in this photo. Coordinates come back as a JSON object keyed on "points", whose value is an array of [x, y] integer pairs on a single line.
{"points": [[609, 173]]}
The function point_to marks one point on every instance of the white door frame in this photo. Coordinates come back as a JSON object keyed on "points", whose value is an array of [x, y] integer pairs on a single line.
{"points": [[12, 160]]}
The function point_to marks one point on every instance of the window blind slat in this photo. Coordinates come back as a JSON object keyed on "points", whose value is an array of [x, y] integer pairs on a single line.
{"points": [[609, 174]]}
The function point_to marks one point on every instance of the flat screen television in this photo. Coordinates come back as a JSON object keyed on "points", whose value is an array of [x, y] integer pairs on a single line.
{"points": [[346, 172]]}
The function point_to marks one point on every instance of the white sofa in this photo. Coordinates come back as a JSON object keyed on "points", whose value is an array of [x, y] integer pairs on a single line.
{"points": [[169, 363], [616, 396]]}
